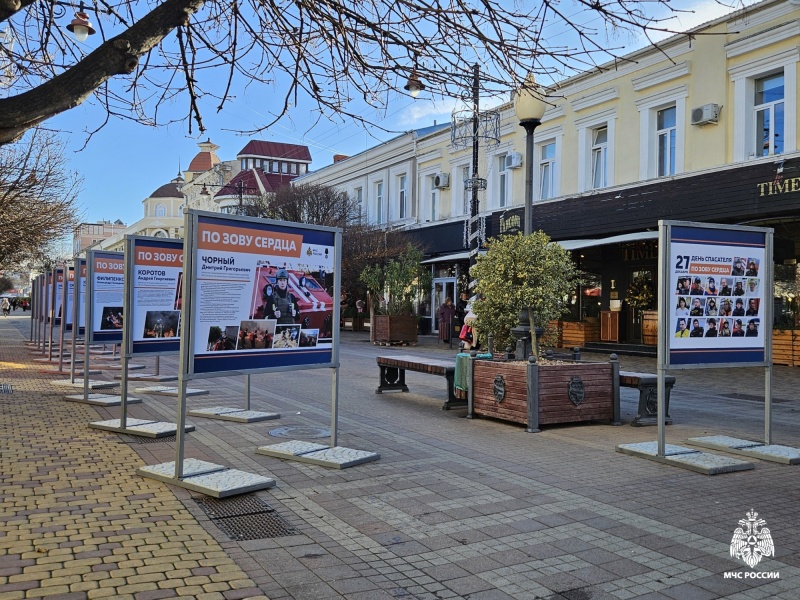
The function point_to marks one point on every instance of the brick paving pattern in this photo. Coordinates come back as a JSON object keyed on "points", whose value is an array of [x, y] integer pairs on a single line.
{"points": [[76, 521], [455, 508]]}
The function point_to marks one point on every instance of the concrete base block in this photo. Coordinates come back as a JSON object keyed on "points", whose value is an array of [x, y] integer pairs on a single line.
{"points": [[144, 428], [147, 377], [78, 383], [208, 478], [100, 399], [786, 455], [164, 390], [337, 457], [237, 415], [686, 458]]}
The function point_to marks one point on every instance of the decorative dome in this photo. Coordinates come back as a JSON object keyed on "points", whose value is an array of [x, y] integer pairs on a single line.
{"points": [[168, 190], [206, 158]]}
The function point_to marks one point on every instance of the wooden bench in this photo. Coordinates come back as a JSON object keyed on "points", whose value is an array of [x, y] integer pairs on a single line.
{"points": [[647, 384], [393, 374]]}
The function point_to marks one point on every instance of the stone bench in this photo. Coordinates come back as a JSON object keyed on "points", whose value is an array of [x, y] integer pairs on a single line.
{"points": [[393, 374], [647, 384]]}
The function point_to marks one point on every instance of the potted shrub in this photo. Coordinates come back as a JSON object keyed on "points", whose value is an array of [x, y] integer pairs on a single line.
{"points": [[519, 273], [528, 272], [394, 289]]}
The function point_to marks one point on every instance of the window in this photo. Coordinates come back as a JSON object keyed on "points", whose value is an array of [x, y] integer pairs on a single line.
{"points": [[547, 167], [665, 138], [379, 201], [434, 202], [161, 210], [274, 167], [769, 102], [600, 158], [595, 167], [764, 96], [662, 132], [502, 182], [466, 208], [303, 169], [401, 196], [294, 168], [358, 196], [285, 167]]}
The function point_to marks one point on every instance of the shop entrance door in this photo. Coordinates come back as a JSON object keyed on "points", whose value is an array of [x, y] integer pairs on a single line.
{"points": [[635, 317], [442, 288]]}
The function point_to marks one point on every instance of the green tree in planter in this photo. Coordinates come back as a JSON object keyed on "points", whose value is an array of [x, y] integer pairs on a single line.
{"points": [[401, 280], [520, 272]]}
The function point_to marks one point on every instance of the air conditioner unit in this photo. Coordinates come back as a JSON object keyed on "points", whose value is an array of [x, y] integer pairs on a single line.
{"points": [[708, 113], [513, 160], [441, 180]]}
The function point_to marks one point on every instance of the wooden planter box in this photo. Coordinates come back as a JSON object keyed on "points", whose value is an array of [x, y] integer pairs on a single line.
{"points": [[567, 393], [786, 347], [577, 333], [393, 329], [553, 335]]}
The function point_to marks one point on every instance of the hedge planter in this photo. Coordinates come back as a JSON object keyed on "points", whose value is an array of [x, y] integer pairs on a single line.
{"points": [[577, 333], [393, 329], [785, 347], [534, 395]]}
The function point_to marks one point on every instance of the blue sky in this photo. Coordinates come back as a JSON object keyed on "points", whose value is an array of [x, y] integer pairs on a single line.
{"points": [[125, 162]]}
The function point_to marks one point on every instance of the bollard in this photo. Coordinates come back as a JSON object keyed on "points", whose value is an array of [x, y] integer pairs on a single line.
{"points": [[470, 377], [616, 419], [576, 354], [533, 395]]}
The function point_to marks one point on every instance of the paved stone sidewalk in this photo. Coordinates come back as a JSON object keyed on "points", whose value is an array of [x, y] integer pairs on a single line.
{"points": [[75, 521], [455, 507]]}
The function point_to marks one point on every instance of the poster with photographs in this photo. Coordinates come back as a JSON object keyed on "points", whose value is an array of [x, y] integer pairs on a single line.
{"points": [[56, 296], [156, 279], [68, 299], [81, 293], [261, 294], [716, 309], [106, 284]]}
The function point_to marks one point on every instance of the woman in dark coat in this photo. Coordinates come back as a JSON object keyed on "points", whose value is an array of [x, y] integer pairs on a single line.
{"points": [[446, 314]]}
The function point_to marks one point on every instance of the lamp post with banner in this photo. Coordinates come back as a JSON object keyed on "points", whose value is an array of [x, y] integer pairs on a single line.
{"points": [[240, 190], [468, 128]]}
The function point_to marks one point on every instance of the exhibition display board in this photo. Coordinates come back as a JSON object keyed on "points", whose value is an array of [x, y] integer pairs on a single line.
{"points": [[720, 284], [154, 267], [715, 304], [56, 295], [105, 287], [257, 297], [65, 308]]}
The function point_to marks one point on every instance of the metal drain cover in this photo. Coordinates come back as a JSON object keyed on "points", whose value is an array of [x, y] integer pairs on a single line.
{"points": [[146, 440], [300, 431], [245, 517], [255, 527], [233, 507]]}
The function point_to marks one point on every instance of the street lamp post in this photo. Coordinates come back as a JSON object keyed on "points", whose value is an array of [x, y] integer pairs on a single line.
{"points": [[239, 191], [530, 109], [464, 131]]}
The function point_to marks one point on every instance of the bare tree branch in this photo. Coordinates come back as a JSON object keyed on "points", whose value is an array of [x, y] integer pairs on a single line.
{"points": [[38, 196], [338, 53]]}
